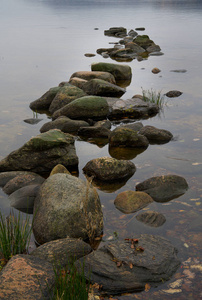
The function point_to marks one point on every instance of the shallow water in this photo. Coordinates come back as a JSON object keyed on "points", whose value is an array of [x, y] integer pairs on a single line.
{"points": [[44, 42]]}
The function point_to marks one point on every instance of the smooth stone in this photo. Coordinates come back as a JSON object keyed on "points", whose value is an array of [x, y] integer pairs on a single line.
{"points": [[155, 135], [179, 71], [156, 70], [94, 131], [45, 100], [88, 75], [151, 218], [79, 82], [59, 169], [173, 94], [119, 71], [116, 31], [32, 121], [7, 176]]}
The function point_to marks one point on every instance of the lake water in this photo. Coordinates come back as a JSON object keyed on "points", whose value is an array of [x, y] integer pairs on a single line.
{"points": [[44, 41]]}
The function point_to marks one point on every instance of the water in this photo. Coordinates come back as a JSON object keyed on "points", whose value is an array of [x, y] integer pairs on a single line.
{"points": [[44, 42]]}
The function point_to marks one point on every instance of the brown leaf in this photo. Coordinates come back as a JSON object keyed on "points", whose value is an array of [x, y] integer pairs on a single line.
{"points": [[147, 287], [119, 263], [131, 265]]}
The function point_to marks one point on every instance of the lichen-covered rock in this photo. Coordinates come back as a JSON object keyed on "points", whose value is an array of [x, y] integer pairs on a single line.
{"points": [[94, 107], [131, 201], [66, 206], [100, 87], [45, 100], [109, 169], [163, 188], [120, 72], [88, 75], [143, 41], [156, 135], [151, 218], [79, 82]]}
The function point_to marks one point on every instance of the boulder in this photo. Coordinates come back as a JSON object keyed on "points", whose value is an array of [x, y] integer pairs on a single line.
{"points": [[79, 82], [155, 135], [173, 94], [120, 72], [151, 218], [65, 95], [143, 41], [103, 123], [62, 252], [32, 278], [120, 55], [163, 188], [136, 126], [94, 107], [126, 137], [66, 206], [153, 48], [116, 31], [128, 265], [7, 176], [65, 124], [41, 153], [59, 169], [88, 75], [94, 132], [109, 169], [100, 87], [45, 100], [135, 48], [131, 201], [156, 70]]}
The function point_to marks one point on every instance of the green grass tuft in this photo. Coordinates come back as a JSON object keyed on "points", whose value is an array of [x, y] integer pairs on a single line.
{"points": [[153, 97]]}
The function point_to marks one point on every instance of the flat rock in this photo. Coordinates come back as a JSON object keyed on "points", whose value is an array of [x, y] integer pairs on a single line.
{"points": [[101, 87], [151, 218], [88, 75], [173, 94]]}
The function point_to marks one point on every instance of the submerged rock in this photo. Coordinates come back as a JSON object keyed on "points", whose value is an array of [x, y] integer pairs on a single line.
{"points": [[7, 176], [94, 132], [151, 218]]}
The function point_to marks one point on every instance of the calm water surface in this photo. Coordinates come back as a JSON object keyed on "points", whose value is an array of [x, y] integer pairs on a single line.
{"points": [[44, 42]]}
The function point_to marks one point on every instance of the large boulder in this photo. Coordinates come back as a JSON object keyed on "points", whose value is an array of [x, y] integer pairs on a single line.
{"points": [[120, 72], [94, 107], [88, 75], [163, 188], [41, 153], [66, 94], [66, 206], [109, 169], [128, 265], [156, 135], [45, 100]]}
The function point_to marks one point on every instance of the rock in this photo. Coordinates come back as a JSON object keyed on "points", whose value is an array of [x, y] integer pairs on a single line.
{"points": [[100, 87], [94, 132], [45, 100], [156, 70], [135, 47], [59, 169], [103, 123], [127, 268], [94, 107], [131, 201], [89, 54], [140, 28], [143, 41], [136, 126], [41, 153], [109, 169], [116, 31], [126, 137], [155, 135], [163, 188], [62, 252], [23, 199], [179, 71], [126, 54], [32, 121], [125, 153], [132, 33], [153, 48], [88, 75], [66, 95], [21, 181], [31, 277], [65, 124], [120, 72], [7, 176], [77, 82], [151, 218], [66, 206], [173, 94]]}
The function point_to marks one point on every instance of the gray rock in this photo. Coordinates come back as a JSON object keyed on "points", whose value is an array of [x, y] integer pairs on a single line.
{"points": [[116, 31], [151, 218], [32, 121], [7, 176], [155, 135], [66, 206], [179, 71], [122, 266], [163, 188], [94, 131], [136, 126], [109, 169], [132, 33], [45, 100], [103, 123], [79, 82], [153, 48], [88, 75], [173, 94], [135, 47], [120, 72]]}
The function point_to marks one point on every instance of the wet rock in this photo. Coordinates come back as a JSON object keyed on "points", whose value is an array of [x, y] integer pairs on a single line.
{"points": [[109, 169], [126, 54], [88, 75], [59, 169], [79, 82], [41, 153], [7, 176], [94, 107], [94, 131], [45, 100], [136, 126], [131, 201], [151, 218], [127, 268], [120, 72], [116, 31], [140, 28], [143, 41], [21, 181], [155, 135], [179, 71], [32, 121], [153, 48], [173, 94], [89, 54], [31, 278], [23, 199], [100, 87], [132, 33], [66, 95], [66, 206], [62, 252], [163, 188], [125, 153], [156, 70], [65, 124], [126, 137], [103, 123], [135, 47]]}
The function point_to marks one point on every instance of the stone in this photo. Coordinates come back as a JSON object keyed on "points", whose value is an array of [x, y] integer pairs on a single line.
{"points": [[119, 71], [156, 70], [136, 126], [79, 82], [94, 107], [173, 94], [135, 47], [126, 137], [109, 169], [127, 266], [62, 252], [31, 278], [7, 176], [65, 124], [116, 31], [89, 54], [143, 41], [132, 33], [103, 123], [66, 206], [155, 135], [88, 75], [94, 132], [179, 71], [32, 121], [21, 181], [151, 218], [163, 188], [153, 48], [41, 153], [45, 100], [131, 201], [65, 95], [100, 87], [59, 169]]}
